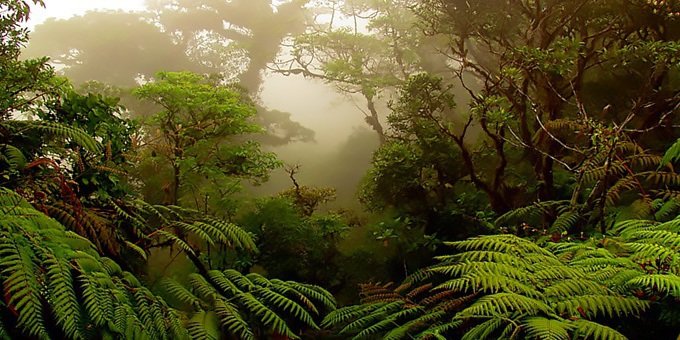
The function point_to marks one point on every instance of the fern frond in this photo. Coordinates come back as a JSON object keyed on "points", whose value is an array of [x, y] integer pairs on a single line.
{"points": [[626, 227], [268, 317], [63, 297], [602, 305], [543, 328], [22, 285], [198, 324], [195, 229], [480, 256], [592, 330], [13, 156], [179, 292], [484, 329], [528, 213], [649, 252], [137, 249], [571, 287], [177, 241], [236, 235], [668, 209], [663, 178], [341, 315], [382, 311], [231, 320], [666, 283], [565, 221], [504, 267], [285, 304], [312, 292], [663, 238], [489, 282], [73, 134], [506, 303]]}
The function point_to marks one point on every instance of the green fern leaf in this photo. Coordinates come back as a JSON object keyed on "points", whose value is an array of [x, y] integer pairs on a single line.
{"points": [[666, 283], [592, 330], [63, 297], [231, 320], [672, 154]]}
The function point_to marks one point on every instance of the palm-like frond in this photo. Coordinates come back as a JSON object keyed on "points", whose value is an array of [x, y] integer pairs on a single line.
{"points": [[247, 305], [58, 130], [47, 270], [519, 288]]}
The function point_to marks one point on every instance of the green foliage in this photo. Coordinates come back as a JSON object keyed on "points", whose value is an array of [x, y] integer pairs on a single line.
{"points": [[418, 172], [293, 245], [353, 62], [672, 155], [56, 285], [193, 140], [152, 226], [250, 306], [539, 69], [516, 287], [620, 174], [19, 78], [100, 174]]}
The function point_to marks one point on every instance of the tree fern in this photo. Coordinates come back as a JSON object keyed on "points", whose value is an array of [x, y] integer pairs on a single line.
{"points": [[69, 133], [522, 289], [248, 306], [47, 270]]}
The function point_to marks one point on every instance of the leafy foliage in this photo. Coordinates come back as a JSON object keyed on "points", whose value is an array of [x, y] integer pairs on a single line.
{"points": [[294, 246], [193, 140], [250, 306], [56, 285], [513, 287], [672, 154]]}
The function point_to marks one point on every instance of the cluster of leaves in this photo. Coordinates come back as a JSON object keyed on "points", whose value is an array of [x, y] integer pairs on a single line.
{"points": [[99, 176], [295, 245], [55, 284], [193, 139], [249, 306], [503, 286]]}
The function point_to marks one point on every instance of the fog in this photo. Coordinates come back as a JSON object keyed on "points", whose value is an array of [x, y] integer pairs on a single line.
{"points": [[343, 144], [340, 152], [63, 9]]}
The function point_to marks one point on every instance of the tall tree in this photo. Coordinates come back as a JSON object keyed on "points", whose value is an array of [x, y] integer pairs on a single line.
{"points": [[196, 137], [366, 59], [540, 63], [120, 49]]}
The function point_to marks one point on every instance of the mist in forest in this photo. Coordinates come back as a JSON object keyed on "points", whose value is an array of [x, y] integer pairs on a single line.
{"points": [[329, 137], [342, 147]]}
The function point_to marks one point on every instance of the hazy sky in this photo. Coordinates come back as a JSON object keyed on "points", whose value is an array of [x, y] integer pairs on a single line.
{"points": [[69, 8]]}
